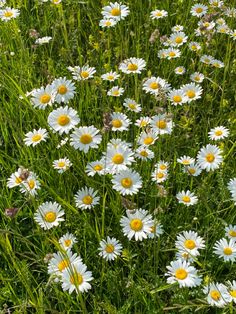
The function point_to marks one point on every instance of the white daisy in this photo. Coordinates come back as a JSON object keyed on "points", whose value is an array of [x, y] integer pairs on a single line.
{"points": [[132, 65], [172, 53], [118, 159], [187, 198], [147, 138], [156, 231], [144, 153], [110, 248], [43, 97], [197, 77], [230, 232], [159, 176], [86, 198], [177, 97], [193, 170], [76, 278], [198, 10], [217, 294], [132, 105], [43, 40], [180, 70], [161, 124], [15, 179], [192, 91], [218, 133], [137, 224], [155, 85], [30, 185], [127, 182], [217, 63], [67, 241], [110, 76], [182, 272], [119, 121], [82, 73], [116, 11], [177, 28], [142, 122], [116, 91], [209, 157], [158, 14], [8, 13], [65, 90], [35, 137], [232, 290], [189, 242], [206, 59], [232, 189], [85, 137], [186, 160], [177, 39], [63, 119], [226, 249], [107, 23], [162, 166], [194, 46], [49, 215], [94, 167], [62, 164]]}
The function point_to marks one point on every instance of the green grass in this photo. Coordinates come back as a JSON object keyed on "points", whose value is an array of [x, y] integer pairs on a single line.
{"points": [[135, 282]]}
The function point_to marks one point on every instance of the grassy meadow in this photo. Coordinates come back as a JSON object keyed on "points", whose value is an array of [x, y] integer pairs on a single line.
{"points": [[136, 281]]}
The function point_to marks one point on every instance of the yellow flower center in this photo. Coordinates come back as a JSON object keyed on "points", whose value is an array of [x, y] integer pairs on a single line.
{"points": [[36, 137], [118, 159], [86, 139], [67, 242], [84, 74], [218, 133], [163, 167], [186, 199], [197, 78], [31, 184], [228, 251], [185, 162], [8, 14], [178, 40], [108, 23], [232, 233], [172, 54], [181, 274], [110, 77], [132, 67], [116, 93], [63, 264], [62, 89], [148, 140], [158, 14], [210, 157], [191, 93], [116, 123], [161, 124], [160, 175], [126, 183], [154, 85], [44, 99], [191, 170], [233, 293], [109, 248], [63, 120], [115, 12], [50, 217], [143, 123], [144, 153], [153, 229], [98, 168], [194, 47], [136, 224], [190, 244], [18, 180], [215, 295], [76, 279], [132, 106], [177, 98], [199, 10], [185, 255], [61, 164], [87, 200]]}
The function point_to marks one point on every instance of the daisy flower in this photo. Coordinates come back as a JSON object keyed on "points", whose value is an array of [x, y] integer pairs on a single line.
{"points": [[156, 231], [216, 3], [177, 97], [198, 10], [61, 261], [30, 185], [110, 248], [76, 278], [155, 85], [67, 241], [110, 76], [85, 137], [189, 242], [132, 65], [205, 25], [192, 91], [158, 14], [180, 70], [183, 273], [193, 170], [63, 119], [177, 39], [206, 59], [217, 294], [197, 77], [147, 138], [65, 90], [43, 40], [162, 165], [186, 160], [233, 34], [137, 224], [49, 215], [119, 121], [142, 122], [194, 46], [8, 13], [127, 182], [116, 91], [82, 73], [94, 167], [43, 97], [223, 29], [86, 198], [218, 133], [172, 53], [161, 124], [107, 23], [15, 179], [232, 189], [132, 105], [159, 176], [230, 232], [116, 11], [226, 249], [117, 159], [209, 157], [232, 290], [177, 28], [187, 198], [35, 137], [62, 164], [217, 63], [144, 153]]}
